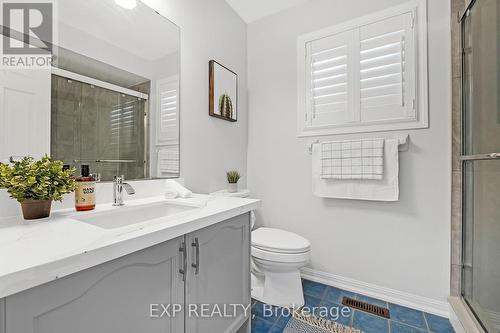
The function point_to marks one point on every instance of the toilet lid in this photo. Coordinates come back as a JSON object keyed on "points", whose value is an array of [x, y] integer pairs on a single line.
{"points": [[281, 241]]}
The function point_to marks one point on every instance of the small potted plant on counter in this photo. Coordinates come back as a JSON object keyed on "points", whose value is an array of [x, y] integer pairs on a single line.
{"points": [[232, 181], [36, 183]]}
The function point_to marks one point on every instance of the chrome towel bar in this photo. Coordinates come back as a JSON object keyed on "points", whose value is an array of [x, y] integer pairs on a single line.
{"points": [[402, 141], [105, 161], [478, 157]]}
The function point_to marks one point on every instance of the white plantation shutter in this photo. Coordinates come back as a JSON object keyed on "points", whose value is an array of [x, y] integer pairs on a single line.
{"points": [[387, 69], [329, 81], [365, 75], [168, 111]]}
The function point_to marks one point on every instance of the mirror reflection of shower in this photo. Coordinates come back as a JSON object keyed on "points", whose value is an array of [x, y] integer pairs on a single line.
{"points": [[119, 114], [104, 127]]}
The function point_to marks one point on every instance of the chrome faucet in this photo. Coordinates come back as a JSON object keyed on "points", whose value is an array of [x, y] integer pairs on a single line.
{"points": [[118, 187]]}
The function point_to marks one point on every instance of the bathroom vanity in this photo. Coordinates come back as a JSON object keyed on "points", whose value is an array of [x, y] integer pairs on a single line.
{"points": [[145, 267]]}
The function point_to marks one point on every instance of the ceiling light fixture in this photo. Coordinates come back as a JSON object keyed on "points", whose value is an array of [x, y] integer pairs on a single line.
{"points": [[127, 4]]}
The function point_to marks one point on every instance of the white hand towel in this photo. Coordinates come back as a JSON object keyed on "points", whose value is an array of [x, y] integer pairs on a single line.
{"points": [[353, 159], [386, 189], [171, 193], [197, 200], [172, 185]]}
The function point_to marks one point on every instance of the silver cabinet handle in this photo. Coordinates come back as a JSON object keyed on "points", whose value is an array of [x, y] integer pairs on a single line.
{"points": [[196, 265], [182, 269]]}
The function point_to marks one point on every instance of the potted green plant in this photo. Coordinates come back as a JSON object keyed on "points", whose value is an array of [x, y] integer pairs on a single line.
{"points": [[36, 183], [232, 181]]}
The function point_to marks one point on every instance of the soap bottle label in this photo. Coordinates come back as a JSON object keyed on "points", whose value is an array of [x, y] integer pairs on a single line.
{"points": [[85, 194]]}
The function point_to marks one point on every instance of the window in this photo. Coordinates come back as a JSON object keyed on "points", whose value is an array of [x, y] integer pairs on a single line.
{"points": [[168, 111], [365, 75]]}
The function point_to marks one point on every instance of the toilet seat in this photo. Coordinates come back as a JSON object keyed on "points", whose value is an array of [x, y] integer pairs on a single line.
{"points": [[280, 257], [279, 246], [279, 241]]}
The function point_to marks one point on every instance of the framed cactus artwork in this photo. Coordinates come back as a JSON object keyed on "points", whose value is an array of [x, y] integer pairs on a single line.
{"points": [[223, 89]]}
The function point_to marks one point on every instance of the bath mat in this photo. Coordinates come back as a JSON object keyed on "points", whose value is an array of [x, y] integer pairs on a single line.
{"points": [[302, 322]]}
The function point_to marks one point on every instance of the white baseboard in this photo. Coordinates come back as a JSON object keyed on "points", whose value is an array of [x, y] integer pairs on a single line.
{"points": [[390, 295]]}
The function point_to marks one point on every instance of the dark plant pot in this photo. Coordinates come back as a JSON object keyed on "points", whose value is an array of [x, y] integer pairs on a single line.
{"points": [[36, 209]]}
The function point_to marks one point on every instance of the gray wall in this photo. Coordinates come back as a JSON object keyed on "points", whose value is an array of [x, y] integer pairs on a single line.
{"points": [[405, 245]]}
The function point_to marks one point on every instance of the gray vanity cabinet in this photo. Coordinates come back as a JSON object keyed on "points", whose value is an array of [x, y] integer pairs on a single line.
{"points": [[219, 274], [116, 296], [112, 297]]}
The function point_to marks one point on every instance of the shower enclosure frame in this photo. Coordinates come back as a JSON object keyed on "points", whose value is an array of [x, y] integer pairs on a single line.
{"points": [[462, 314], [122, 90]]}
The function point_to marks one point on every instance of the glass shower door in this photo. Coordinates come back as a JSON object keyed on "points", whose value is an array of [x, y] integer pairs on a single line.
{"points": [[100, 127], [481, 162], [95, 127]]}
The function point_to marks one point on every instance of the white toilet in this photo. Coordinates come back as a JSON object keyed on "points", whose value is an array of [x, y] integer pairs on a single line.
{"points": [[277, 257]]}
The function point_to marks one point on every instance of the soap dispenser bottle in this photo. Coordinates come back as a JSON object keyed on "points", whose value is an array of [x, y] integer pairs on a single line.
{"points": [[85, 190]]}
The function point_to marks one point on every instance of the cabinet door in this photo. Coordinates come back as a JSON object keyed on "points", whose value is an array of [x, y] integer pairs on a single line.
{"points": [[218, 276], [112, 297]]}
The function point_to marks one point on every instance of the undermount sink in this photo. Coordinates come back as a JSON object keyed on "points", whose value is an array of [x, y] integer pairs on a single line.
{"points": [[129, 215]]}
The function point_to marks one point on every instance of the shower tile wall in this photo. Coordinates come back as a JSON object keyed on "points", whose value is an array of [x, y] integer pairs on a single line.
{"points": [[91, 123], [65, 121]]}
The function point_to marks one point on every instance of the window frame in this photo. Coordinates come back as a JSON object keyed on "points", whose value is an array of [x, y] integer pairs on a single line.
{"points": [[418, 8]]}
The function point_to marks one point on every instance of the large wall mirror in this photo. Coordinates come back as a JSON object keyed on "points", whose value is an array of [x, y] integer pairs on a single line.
{"points": [[110, 99]]}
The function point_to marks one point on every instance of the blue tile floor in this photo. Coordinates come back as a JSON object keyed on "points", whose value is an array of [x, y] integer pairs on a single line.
{"points": [[327, 301]]}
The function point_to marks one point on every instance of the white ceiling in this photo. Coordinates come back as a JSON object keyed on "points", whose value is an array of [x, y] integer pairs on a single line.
{"points": [[253, 10], [139, 31]]}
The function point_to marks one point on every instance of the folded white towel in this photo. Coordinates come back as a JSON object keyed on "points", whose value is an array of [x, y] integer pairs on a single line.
{"points": [[197, 200], [386, 189], [171, 193], [171, 186], [353, 159]]}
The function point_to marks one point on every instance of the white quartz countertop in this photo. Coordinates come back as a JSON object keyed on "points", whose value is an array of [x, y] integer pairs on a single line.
{"points": [[37, 252]]}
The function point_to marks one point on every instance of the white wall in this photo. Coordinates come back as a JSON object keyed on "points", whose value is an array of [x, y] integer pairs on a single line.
{"points": [[209, 146], [404, 245]]}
